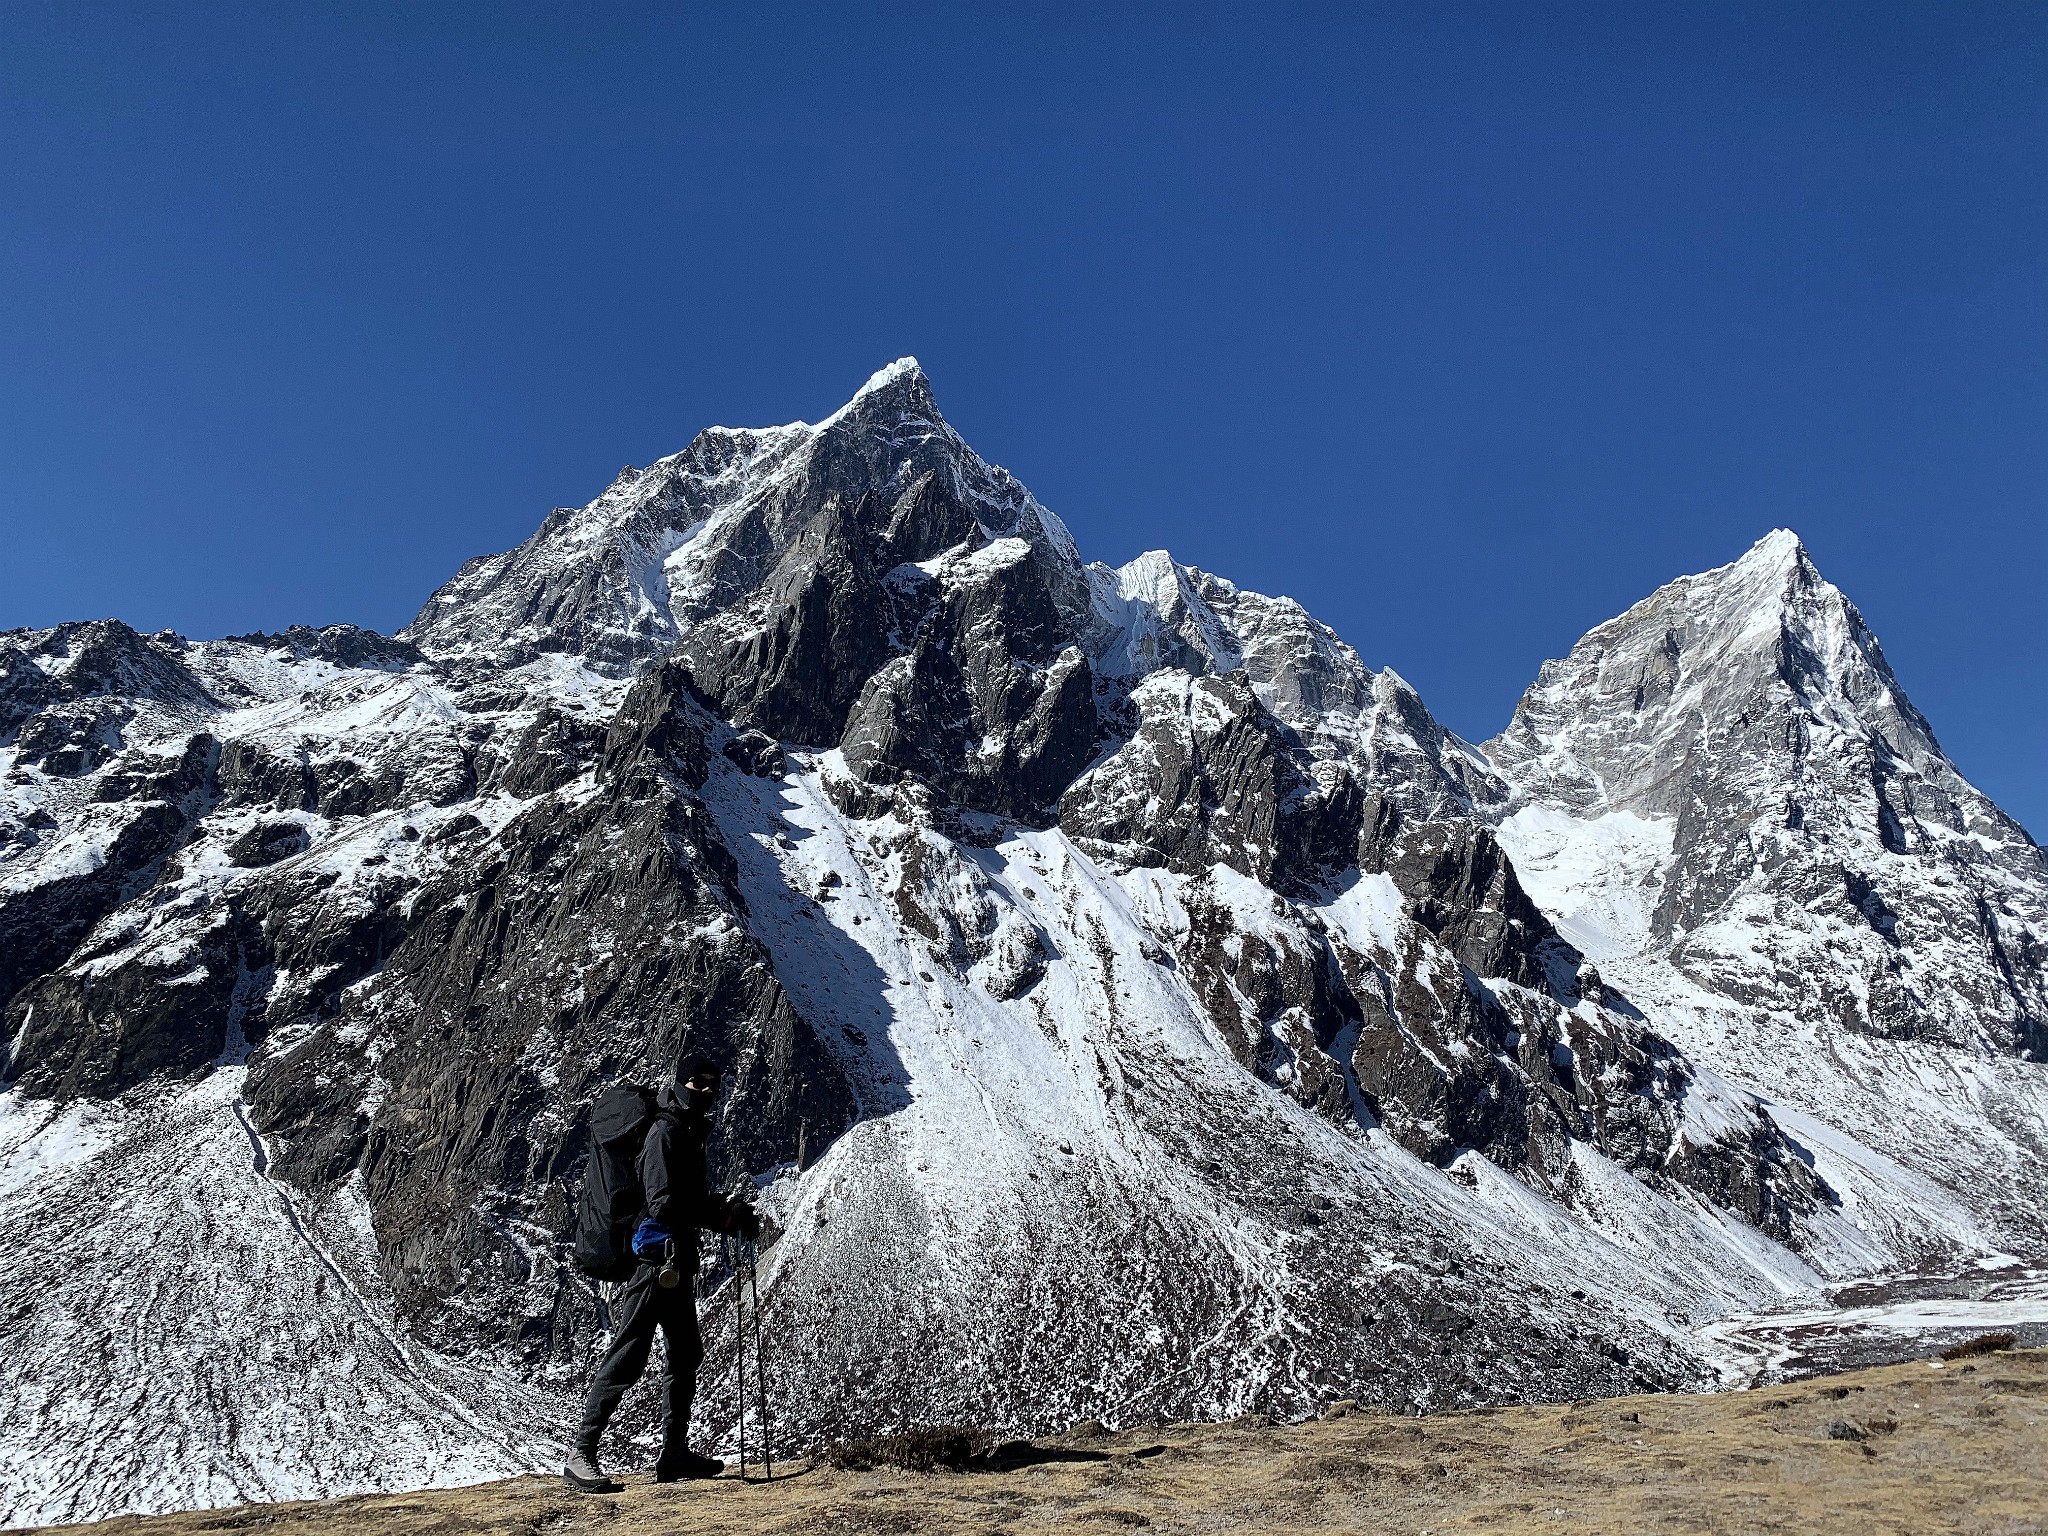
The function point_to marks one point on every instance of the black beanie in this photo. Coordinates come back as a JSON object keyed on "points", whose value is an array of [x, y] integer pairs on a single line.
{"points": [[671, 1094], [693, 1065]]}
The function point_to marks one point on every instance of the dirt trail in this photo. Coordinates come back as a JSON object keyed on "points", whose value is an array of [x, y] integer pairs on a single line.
{"points": [[1910, 1449]]}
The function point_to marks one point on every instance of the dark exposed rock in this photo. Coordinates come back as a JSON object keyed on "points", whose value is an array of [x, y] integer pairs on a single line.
{"points": [[756, 753], [989, 705], [344, 645], [267, 842], [434, 770], [176, 1014], [1449, 1064], [1461, 886], [960, 671], [528, 980], [41, 926], [253, 774], [324, 935], [557, 748], [1211, 777], [1277, 992], [70, 742], [104, 659], [794, 659]]}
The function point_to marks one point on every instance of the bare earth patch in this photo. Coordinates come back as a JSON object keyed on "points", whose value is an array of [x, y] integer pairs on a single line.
{"points": [[1923, 1447]]}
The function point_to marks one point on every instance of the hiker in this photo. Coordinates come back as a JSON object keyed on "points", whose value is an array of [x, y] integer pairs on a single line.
{"points": [[652, 1285]]}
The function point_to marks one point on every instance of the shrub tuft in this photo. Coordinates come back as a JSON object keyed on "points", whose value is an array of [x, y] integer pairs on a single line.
{"points": [[1983, 1344], [933, 1448]]}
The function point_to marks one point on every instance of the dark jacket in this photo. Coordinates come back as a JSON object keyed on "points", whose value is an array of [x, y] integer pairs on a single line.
{"points": [[678, 1191]]}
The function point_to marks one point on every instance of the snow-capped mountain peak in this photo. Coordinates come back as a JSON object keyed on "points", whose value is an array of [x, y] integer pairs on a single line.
{"points": [[900, 391], [1745, 721], [1148, 614], [1635, 698], [618, 581]]}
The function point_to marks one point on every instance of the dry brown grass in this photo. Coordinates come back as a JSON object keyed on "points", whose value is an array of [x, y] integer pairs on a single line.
{"points": [[1907, 1449]]}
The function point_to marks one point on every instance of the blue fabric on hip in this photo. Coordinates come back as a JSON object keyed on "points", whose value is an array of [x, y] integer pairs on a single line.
{"points": [[650, 1241]]}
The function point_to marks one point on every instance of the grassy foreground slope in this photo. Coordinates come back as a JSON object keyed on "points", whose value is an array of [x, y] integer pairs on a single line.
{"points": [[1910, 1448]]}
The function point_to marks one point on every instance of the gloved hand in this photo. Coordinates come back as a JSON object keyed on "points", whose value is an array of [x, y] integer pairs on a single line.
{"points": [[746, 1222]]}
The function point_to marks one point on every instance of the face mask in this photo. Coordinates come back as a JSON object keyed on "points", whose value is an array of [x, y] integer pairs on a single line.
{"points": [[700, 1100]]}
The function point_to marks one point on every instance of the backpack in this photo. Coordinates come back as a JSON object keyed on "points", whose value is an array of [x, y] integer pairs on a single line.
{"points": [[609, 1204]]}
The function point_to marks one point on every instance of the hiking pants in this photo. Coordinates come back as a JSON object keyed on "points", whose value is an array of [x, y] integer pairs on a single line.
{"points": [[638, 1307]]}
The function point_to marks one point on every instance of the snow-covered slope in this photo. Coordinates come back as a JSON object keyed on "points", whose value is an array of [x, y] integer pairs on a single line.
{"points": [[183, 1331], [1134, 1005]]}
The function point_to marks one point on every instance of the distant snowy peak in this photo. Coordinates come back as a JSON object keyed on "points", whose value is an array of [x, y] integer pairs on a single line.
{"points": [[1624, 720], [1774, 606], [900, 392], [1738, 768], [619, 581]]}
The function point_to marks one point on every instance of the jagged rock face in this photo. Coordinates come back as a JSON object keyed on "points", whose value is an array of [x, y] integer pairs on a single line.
{"points": [[992, 703], [1133, 1005], [1824, 857], [1452, 1065], [536, 970], [1404, 1032], [1211, 777], [956, 668], [1378, 1023], [1276, 979], [1154, 617], [1373, 722], [697, 535], [340, 645], [869, 582], [1459, 884], [99, 663], [118, 847]]}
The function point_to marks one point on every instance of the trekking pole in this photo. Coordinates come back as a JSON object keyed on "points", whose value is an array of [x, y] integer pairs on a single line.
{"points": [[760, 1357], [739, 1354]]}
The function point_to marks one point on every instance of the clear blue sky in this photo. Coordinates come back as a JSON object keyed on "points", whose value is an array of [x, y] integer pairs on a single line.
{"points": [[1467, 325]]}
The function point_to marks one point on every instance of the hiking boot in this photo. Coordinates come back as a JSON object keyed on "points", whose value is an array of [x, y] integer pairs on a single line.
{"points": [[676, 1466], [583, 1474]]}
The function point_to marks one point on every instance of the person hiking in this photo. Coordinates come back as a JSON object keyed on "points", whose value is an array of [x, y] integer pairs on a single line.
{"points": [[659, 1291]]}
